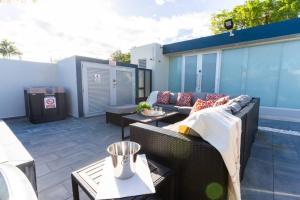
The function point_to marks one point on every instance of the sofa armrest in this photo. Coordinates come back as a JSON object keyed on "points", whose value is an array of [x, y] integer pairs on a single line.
{"points": [[196, 163], [165, 145]]}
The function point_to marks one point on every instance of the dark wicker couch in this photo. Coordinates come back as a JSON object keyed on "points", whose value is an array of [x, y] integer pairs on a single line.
{"points": [[198, 166]]}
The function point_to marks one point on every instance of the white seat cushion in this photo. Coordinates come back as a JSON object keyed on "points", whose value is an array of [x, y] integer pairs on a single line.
{"points": [[130, 108]]}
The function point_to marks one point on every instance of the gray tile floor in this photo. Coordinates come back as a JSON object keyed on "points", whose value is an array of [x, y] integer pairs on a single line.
{"points": [[273, 171]]}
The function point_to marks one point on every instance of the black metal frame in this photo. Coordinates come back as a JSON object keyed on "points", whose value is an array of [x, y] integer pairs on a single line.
{"points": [[139, 99]]}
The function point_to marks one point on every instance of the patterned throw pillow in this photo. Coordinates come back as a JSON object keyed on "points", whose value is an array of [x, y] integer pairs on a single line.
{"points": [[184, 99], [221, 101], [163, 97], [214, 97], [201, 104]]}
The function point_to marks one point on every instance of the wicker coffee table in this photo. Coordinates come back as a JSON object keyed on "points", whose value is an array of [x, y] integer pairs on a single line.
{"points": [[88, 179], [128, 119]]}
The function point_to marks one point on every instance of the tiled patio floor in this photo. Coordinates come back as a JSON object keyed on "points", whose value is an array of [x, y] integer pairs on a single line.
{"points": [[273, 171]]}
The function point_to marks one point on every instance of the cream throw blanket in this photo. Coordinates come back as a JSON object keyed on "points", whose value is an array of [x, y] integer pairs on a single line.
{"points": [[223, 131]]}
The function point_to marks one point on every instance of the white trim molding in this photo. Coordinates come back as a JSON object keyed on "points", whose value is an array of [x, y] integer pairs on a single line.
{"points": [[282, 131], [218, 71], [282, 114], [182, 73], [199, 73]]}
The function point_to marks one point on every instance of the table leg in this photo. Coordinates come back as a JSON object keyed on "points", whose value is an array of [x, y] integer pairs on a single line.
{"points": [[123, 137], [156, 123], [123, 125], [106, 117], [75, 189]]}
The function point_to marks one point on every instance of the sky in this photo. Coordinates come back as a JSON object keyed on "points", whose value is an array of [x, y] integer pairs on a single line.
{"points": [[49, 30]]}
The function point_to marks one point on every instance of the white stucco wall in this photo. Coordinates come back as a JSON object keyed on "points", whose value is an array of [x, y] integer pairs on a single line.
{"points": [[14, 76], [66, 71], [155, 61]]}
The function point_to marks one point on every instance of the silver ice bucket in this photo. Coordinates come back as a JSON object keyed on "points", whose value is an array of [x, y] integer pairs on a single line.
{"points": [[124, 156]]}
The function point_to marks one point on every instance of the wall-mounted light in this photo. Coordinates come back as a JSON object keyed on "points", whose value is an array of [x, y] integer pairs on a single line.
{"points": [[228, 24]]}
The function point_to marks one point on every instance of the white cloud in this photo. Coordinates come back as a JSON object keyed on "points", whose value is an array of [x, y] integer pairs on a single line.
{"points": [[60, 28], [162, 2]]}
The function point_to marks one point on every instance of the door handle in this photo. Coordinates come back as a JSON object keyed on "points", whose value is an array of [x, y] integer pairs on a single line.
{"points": [[114, 82]]}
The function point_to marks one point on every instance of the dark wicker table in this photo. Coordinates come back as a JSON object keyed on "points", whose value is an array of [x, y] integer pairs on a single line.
{"points": [[88, 179], [128, 119]]}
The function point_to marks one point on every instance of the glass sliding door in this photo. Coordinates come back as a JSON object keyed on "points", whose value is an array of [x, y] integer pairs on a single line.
{"points": [[208, 80], [193, 73], [175, 71], [190, 75], [289, 80], [233, 71], [263, 73], [270, 72]]}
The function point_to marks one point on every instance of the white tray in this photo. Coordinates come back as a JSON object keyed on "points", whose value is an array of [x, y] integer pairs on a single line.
{"points": [[153, 113], [141, 183]]}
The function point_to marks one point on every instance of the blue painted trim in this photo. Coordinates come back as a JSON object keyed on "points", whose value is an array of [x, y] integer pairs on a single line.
{"points": [[285, 28]]}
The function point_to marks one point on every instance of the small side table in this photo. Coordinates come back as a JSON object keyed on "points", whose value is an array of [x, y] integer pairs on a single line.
{"points": [[88, 178]]}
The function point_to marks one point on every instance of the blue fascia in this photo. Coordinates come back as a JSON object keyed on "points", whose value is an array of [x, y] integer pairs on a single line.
{"points": [[269, 31]]}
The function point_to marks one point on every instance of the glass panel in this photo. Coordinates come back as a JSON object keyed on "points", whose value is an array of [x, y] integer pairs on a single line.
{"points": [[190, 77], [263, 73], [148, 83], [209, 62], [289, 84], [231, 71], [124, 87], [175, 74], [141, 78], [141, 92]]}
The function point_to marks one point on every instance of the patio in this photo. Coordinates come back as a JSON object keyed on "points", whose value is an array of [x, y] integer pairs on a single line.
{"points": [[61, 147]]}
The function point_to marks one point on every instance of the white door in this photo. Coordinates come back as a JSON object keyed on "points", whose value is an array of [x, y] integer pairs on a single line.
{"points": [[104, 85], [124, 86], [96, 84], [201, 72]]}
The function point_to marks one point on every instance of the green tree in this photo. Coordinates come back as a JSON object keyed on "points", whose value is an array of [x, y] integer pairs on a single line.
{"points": [[120, 57], [256, 12], [8, 49]]}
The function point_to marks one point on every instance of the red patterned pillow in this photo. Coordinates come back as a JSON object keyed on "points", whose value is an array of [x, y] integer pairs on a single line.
{"points": [[221, 101], [214, 97], [163, 97], [184, 99], [201, 104]]}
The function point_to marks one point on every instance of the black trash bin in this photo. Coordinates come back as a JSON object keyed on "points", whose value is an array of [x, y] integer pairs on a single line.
{"points": [[45, 104]]}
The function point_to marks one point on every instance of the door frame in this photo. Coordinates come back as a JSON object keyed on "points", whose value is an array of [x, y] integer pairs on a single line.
{"points": [[85, 86], [113, 73], [199, 67]]}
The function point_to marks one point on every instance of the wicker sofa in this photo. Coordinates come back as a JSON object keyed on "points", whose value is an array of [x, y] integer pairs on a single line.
{"points": [[198, 166]]}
